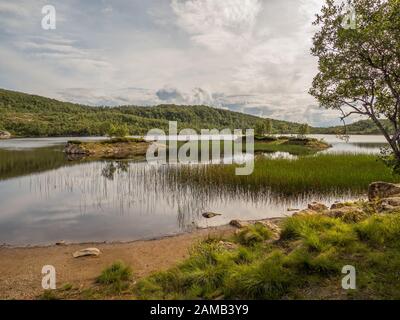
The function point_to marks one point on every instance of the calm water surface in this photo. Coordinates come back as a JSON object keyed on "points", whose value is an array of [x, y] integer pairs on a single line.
{"points": [[44, 198]]}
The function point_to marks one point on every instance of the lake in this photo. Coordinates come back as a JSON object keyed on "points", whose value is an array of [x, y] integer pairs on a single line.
{"points": [[44, 198]]}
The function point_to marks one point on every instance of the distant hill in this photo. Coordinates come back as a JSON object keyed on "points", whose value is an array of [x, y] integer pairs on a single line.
{"points": [[31, 115], [359, 127]]}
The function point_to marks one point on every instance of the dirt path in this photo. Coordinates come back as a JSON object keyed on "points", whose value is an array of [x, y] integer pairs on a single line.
{"points": [[20, 268]]}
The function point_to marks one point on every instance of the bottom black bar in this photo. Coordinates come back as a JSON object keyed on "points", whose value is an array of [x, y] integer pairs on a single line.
{"points": [[200, 309]]}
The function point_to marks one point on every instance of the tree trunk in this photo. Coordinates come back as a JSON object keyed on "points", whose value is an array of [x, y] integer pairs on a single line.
{"points": [[393, 144]]}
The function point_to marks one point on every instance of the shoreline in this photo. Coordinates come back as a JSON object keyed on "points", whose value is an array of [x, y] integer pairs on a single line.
{"points": [[20, 267], [116, 242]]}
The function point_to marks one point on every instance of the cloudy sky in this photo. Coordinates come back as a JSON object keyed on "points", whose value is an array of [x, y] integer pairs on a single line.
{"points": [[251, 56]]}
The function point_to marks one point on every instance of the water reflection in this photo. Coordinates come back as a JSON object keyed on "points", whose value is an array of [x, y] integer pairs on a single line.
{"points": [[15, 163], [45, 198], [370, 144], [117, 200]]}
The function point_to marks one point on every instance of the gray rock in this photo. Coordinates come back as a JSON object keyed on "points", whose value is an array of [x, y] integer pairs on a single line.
{"points": [[316, 206], [209, 215], [228, 245], [338, 205], [74, 149], [86, 252], [305, 212], [276, 230], [380, 190], [389, 204], [239, 223], [346, 213], [5, 135]]}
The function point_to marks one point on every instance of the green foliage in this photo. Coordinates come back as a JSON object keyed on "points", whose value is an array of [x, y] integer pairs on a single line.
{"points": [[116, 277], [118, 130], [263, 127], [359, 66], [253, 234], [389, 159], [303, 130]]}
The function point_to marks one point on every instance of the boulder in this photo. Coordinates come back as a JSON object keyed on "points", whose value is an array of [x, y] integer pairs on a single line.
{"points": [[228, 245], [389, 204], [239, 223], [86, 252], [276, 230], [346, 213], [5, 134], [209, 215], [305, 212], [316, 206], [74, 149], [338, 205], [380, 190]]}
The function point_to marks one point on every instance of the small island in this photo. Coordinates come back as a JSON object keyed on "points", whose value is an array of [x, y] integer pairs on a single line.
{"points": [[299, 145], [115, 148], [125, 147]]}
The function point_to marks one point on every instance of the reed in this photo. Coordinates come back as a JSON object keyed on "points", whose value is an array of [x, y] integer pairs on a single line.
{"points": [[322, 173]]}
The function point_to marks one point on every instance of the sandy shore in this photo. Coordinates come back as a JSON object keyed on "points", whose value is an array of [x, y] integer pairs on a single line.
{"points": [[20, 268]]}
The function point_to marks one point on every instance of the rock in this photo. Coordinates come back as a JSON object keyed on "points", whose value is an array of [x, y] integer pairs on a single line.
{"points": [[305, 212], [276, 230], [228, 245], [346, 213], [316, 206], [338, 205], [209, 215], [86, 252], [5, 135], [61, 243], [292, 209], [272, 226], [380, 190], [74, 149], [239, 223], [389, 204]]}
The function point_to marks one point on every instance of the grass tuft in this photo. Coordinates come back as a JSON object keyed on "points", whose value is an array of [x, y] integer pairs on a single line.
{"points": [[253, 234], [117, 277]]}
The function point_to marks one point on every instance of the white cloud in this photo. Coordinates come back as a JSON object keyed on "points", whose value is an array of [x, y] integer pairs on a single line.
{"points": [[218, 25], [245, 55]]}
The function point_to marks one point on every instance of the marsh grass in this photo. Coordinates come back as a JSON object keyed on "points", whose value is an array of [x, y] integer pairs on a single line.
{"points": [[322, 173], [308, 258]]}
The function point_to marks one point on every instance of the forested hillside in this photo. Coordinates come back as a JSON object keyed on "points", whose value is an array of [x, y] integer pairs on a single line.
{"points": [[359, 127], [30, 115]]}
